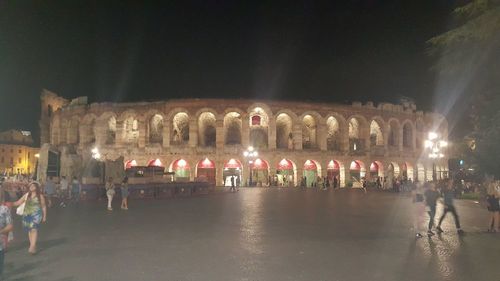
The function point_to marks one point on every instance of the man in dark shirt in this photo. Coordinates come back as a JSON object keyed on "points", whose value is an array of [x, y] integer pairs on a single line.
{"points": [[431, 197], [448, 196]]}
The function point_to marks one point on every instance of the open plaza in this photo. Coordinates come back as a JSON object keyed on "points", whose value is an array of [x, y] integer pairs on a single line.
{"points": [[256, 234]]}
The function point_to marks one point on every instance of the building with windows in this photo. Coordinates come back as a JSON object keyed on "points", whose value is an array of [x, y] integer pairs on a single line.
{"points": [[17, 153], [205, 139]]}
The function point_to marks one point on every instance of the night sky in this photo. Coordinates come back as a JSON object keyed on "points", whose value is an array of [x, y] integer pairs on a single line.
{"points": [[131, 51]]}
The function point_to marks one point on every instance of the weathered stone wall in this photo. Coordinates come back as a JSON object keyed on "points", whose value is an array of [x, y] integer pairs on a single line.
{"points": [[293, 130]]}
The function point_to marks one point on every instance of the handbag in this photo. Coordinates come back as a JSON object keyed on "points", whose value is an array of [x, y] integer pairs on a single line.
{"points": [[20, 209]]}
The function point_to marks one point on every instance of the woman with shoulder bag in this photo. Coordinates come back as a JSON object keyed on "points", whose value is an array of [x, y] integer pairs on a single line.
{"points": [[34, 213]]}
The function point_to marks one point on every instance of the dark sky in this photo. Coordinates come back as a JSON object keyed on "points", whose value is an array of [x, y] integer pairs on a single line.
{"points": [[129, 51]]}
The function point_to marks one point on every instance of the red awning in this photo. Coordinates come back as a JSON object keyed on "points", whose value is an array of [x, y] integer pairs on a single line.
{"points": [[206, 164], [285, 164], [333, 165], [232, 164], [180, 164], [259, 164], [310, 165]]}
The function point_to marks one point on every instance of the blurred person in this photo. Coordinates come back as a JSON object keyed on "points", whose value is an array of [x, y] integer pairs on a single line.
{"points": [[125, 193], [50, 190], [449, 207], [63, 192], [418, 208], [76, 189], [35, 212], [5, 229], [110, 192], [431, 196], [493, 207]]}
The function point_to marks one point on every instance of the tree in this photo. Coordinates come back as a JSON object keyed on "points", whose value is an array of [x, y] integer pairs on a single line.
{"points": [[469, 60]]}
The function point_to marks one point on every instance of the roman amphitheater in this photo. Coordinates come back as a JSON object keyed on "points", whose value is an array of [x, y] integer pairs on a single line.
{"points": [[206, 139]]}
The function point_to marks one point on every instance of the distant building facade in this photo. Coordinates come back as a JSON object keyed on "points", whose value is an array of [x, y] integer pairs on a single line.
{"points": [[206, 139], [17, 153]]}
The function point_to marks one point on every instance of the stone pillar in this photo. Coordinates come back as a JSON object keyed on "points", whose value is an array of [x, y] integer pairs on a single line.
{"points": [[322, 133], [245, 131], [219, 134], [297, 137], [219, 168], [193, 132], [83, 136], [300, 175], [166, 136], [271, 137], [142, 133], [400, 139]]}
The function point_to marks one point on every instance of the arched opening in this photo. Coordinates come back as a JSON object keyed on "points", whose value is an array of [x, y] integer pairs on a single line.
{"points": [[131, 130], [181, 169], [130, 164], [260, 172], [393, 138], [155, 163], [111, 130], [88, 133], [156, 129], [309, 132], [357, 172], [232, 128], [335, 173], [180, 129], [311, 173], [284, 137], [407, 171], [259, 124], [333, 137], [355, 142], [376, 135], [285, 173], [206, 129], [376, 170], [205, 171], [407, 136], [232, 173], [392, 174]]}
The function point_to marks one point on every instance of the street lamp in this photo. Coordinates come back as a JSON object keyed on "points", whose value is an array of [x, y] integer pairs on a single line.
{"points": [[250, 154], [435, 145]]}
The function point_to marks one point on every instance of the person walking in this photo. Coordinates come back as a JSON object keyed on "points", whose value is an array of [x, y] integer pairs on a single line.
{"points": [[233, 184], [76, 189], [448, 196], [63, 191], [50, 190], [418, 208], [34, 213], [431, 196], [363, 184], [5, 228], [125, 193], [110, 192], [494, 208]]}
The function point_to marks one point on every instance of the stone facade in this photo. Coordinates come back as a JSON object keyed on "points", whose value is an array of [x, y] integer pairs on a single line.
{"points": [[316, 139], [17, 154]]}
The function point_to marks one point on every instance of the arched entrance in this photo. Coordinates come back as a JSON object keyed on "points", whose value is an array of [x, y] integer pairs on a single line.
{"points": [[205, 171], [285, 173], [232, 172], [260, 172], [357, 171], [376, 170], [311, 173], [181, 169], [407, 171], [335, 170], [130, 163], [155, 168]]}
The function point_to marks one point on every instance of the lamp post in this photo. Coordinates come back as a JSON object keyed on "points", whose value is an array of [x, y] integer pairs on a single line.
{"points": [[435, 145], [250, 154]]}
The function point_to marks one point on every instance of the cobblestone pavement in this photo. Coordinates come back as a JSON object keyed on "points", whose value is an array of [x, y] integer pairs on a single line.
{"points": [[256, 234]]}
